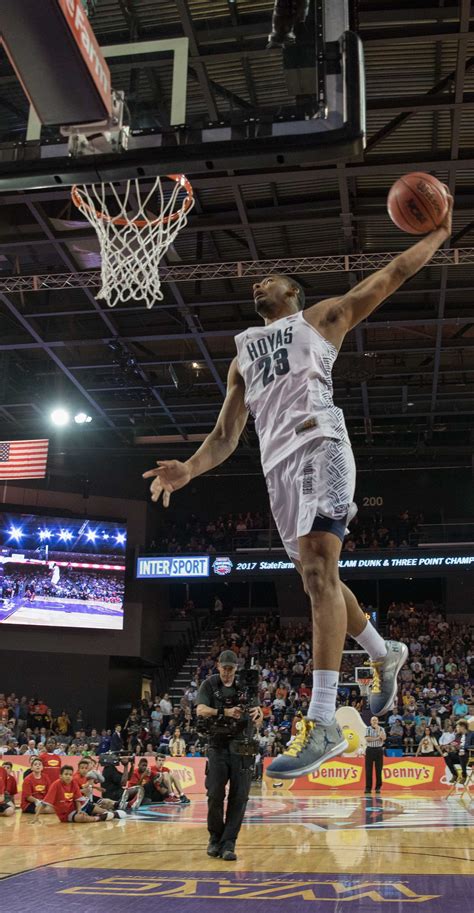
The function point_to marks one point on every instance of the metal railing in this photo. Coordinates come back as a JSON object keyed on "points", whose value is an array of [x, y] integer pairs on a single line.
{"points": [[455, 532], [268, 539]]}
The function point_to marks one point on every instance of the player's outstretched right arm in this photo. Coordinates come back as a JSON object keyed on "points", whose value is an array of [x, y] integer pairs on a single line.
{"points": [[170, 475]]}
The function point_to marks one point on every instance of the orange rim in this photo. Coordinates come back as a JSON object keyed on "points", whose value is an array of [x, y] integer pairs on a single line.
{"points": [[140, 223]]}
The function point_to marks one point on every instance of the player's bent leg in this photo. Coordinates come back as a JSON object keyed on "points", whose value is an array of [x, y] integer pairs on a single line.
{"points": [[320, 737], [106, 804], [107, 814], [82, 818], [46, 810], [7, 809], [386, 657]]}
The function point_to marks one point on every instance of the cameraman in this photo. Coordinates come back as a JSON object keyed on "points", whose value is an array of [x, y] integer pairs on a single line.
{"points": [[114, 784], [217, 700]]}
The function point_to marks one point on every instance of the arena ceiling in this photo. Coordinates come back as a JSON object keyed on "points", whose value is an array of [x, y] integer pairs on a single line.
{"points": [[404, 379]]}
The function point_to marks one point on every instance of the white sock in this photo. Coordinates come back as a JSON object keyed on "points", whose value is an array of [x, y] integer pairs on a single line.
{"points": [[322, 707], [369, 639]]}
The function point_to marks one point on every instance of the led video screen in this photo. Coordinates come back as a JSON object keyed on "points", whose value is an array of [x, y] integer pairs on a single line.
{"points": [[61, 571]]}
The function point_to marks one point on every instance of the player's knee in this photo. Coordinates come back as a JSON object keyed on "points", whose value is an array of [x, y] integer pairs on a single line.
{"points": [[319, 577]]}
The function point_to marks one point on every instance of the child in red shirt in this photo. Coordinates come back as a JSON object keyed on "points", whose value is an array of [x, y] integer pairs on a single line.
{"points": [[51, 761], [6, 805], [35, 787], [88, 779], [68, 802], [12, 785]]}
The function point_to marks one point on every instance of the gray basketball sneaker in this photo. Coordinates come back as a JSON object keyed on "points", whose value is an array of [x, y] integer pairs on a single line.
{"points": [[314, 744], [384, 684]]}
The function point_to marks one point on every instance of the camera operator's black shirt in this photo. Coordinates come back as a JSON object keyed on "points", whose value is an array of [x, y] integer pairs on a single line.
{"points": [[112, 784], [213, 693]]}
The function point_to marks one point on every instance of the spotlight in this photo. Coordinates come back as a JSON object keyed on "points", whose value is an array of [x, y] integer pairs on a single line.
{"points": [[15, 533], [91, 535], [82, 418], [195, 365], [65, 535], [120, 538], [60, 417], [45, 534]]}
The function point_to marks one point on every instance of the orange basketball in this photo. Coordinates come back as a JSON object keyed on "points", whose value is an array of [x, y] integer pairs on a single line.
{"points": [[417, 203]]}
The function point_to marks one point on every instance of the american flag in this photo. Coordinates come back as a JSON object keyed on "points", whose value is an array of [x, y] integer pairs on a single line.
{"points": [[23, 459]]}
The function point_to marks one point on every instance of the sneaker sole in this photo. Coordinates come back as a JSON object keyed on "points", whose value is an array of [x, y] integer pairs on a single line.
{"points": [[388, 704], [288, 775]]}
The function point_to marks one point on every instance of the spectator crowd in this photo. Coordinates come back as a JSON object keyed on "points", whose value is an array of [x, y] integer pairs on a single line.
{"points": [[435, 693], [242, 530], [71, 584]]}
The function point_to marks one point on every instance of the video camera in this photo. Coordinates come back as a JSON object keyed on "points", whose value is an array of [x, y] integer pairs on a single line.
{"points": [[114, 758], [239, 732]]}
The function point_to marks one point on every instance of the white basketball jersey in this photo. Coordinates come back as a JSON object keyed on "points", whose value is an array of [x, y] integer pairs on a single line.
{"points": [[286, 367]]}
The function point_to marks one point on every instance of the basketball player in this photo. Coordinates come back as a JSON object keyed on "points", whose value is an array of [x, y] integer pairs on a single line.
{"points": [[282, 375], [55, 574]]}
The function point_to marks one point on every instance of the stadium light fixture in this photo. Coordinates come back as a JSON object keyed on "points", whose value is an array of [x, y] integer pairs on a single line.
{"points": [[60, 417], [81, 418]]}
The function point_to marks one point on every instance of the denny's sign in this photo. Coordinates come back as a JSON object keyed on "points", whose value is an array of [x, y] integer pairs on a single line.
{"points": [[349, 774]]}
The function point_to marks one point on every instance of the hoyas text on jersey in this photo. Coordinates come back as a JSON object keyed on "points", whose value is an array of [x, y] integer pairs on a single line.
{"points": [[270, 343]]}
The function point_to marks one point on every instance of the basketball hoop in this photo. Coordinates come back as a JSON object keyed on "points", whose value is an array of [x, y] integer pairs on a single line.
{"points": [[364, 677], [364, 685], [132, 240]]}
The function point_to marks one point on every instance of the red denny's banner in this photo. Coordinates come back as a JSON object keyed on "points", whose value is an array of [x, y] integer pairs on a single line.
{"points": [[189, 772], [348, 774], [340, 773]]}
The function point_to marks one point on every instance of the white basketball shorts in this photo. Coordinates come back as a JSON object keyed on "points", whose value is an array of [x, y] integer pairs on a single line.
{"points": [[313, 490]]}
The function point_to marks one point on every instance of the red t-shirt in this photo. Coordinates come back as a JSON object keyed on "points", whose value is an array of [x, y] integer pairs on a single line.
{"points": [[63, 797], [137, 779], [81, 781], [3, 781], [162, 770], [34, 786], [52, 765], [12, 785]]}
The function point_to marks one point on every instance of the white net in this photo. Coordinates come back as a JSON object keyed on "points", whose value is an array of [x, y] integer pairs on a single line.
{"points": [[135, 229]]}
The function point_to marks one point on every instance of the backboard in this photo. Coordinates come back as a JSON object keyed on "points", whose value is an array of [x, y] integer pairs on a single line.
{"points": [[57, 59], [302, 105]]}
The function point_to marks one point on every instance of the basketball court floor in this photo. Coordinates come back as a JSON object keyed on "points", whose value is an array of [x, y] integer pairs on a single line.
{"points": [[294, 853], [61, 612]]}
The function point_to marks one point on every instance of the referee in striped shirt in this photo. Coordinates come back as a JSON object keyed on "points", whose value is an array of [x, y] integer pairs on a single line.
{"points": [[375, 738]]}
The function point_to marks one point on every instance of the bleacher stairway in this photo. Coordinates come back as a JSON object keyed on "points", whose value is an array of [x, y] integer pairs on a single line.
{"points": [[186, 673]]}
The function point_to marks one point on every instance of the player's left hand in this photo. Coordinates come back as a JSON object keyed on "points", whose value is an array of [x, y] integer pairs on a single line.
{"points": [[447, 223]]}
